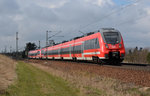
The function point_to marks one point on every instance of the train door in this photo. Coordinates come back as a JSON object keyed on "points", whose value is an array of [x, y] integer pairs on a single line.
{"points": [[70, 49], [61, 52], [73, 50], [59, 49], [82, 50]]}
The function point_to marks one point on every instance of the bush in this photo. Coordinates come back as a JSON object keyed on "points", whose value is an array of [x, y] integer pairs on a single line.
{"points": [[137, 55], [148, 57]]}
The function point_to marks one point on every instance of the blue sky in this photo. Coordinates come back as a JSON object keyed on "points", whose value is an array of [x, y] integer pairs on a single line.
{"points": [[121, 2]]}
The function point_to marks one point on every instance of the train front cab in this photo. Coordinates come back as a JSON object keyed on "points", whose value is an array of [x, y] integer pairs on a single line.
{"points": [[113, 49]]}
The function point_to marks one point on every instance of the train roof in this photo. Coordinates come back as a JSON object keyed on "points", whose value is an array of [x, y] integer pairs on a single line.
{"points": [[87, 34], [101, 31], [108, 29]]}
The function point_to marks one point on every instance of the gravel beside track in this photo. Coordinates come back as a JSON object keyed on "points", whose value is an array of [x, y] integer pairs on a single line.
{"points": [[138, 75], [133, 67]]}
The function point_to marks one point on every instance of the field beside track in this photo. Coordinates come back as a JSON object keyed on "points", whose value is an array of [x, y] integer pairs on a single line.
{"points": [[54, 78], [93, 80]]}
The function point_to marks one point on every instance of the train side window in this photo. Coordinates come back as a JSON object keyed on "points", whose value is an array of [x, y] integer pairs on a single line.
{"points": [[55, 52], [48, 52], [67, 50], [91, 44], [64, 50], [51, 52], [77, 49], [61, 51], [72, 49], [97, 43]]}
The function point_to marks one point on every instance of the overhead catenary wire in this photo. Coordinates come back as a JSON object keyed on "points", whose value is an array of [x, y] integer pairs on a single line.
{"points": [[122, 23], [107, 15], [110, 14]]}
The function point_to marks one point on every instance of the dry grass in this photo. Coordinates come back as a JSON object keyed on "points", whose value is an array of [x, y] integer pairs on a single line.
{"points": [[7, 72], [88, 82]]}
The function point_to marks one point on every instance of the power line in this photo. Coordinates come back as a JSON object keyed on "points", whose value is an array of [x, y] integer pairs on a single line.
{"points": [[122, 23], [82, 32], [106, 16], [47, 36], [113, 12], [54, 34]]}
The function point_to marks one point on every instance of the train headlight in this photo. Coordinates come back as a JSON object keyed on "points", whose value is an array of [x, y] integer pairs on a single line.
{"points": [[106, 46], [120, 45]]}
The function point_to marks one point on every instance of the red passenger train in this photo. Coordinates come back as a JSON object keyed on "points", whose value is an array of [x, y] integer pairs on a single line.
{"points": [[105, 45]]}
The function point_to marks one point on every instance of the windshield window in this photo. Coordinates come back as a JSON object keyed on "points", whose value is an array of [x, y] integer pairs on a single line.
{"points": [[112, 37]]}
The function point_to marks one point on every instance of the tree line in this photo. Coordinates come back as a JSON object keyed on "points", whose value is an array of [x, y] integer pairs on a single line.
{"points": [[133, 55], [137, 55], [21, 54]]}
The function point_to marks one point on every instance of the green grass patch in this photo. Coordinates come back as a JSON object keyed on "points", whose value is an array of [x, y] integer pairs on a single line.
{"points": [[90, 91], [35, 82], [138, 92]]}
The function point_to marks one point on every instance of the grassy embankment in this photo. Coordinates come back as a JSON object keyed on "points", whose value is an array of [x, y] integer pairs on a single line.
{"points": [[32, 81], [7, 72]]}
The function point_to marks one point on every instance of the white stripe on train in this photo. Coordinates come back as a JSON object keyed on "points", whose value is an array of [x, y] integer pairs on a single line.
{"points": [[79, 58], [91, 53]]}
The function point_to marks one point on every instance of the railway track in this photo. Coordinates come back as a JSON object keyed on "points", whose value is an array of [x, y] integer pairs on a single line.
{"points": [[131, 66]]}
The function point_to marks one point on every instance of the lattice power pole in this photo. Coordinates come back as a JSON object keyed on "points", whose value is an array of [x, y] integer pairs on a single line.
{"points": [[17, 43], [39, 44], [47, 38]]}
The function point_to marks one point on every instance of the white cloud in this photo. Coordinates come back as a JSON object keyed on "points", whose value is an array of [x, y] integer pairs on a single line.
{"points": [[17, 17], [100, 2], [52, 3], [148, 10], [31, 18]]}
